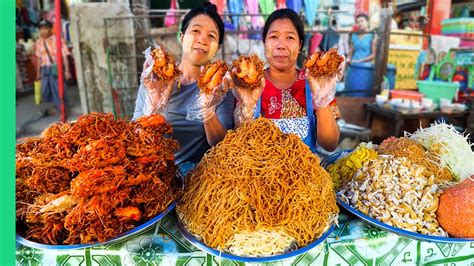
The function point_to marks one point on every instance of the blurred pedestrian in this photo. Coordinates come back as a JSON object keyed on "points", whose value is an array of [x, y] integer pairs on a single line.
{"points": [[47, 68], [363, 43]]}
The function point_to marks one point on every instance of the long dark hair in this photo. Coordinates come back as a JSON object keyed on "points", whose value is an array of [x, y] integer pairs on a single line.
{"points": [[288, 14], [206, 9]]}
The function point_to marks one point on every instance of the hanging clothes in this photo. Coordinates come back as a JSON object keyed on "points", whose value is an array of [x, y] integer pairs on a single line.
{"points": [[281, 4], [236, 7], [267, 6], [252, 8], [315, 42], [296, 5], [171, 18], [310, 8], [220, 4], [331, 39]]}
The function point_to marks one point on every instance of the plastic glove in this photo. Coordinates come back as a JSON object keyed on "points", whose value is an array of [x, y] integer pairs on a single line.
{"points": [[246, 101], [323, 88], [205, 105], [158, 90]]}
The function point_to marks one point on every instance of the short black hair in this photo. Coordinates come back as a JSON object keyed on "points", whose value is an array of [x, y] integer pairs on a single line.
{"points": [[362, 15], [206, 9], [285, 13], [45, 23]]}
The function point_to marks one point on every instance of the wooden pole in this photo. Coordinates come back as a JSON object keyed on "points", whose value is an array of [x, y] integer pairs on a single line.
{"points": [[59, 57], [381, 56]]}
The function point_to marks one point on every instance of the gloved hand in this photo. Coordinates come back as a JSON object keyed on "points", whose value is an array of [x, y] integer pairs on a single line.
{"points": [[158, 90], [208, 102], [323, 88], [246, 101]]}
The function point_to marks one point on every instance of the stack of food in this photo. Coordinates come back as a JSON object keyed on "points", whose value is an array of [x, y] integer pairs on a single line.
{"points": [[259, 192], [91, 180], [420, 183]]}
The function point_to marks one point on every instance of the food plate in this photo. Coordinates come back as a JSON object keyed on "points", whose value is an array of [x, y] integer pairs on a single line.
{"points": [[402, 232], [331, 159], [200, 245], [129, 233]]}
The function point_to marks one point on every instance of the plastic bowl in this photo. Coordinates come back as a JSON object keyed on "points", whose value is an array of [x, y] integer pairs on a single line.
{"points": [[436, 90]]}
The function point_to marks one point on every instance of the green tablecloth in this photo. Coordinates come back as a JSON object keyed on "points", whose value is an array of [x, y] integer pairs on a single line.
{"points": [[354, 242]]}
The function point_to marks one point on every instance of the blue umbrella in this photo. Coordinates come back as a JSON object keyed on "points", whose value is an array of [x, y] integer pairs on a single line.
{"points": [[236, 7], [310, 8], [296, 5]]}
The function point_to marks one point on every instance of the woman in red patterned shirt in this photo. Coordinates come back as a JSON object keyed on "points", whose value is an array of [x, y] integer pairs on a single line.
{"points": [[296, 102]]}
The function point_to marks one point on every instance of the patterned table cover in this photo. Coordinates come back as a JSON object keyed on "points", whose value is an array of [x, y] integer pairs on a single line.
{"points": [[354, 242]]}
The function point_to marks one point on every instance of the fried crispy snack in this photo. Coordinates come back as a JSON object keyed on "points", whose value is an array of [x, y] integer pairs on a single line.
{"points": [[323, 63], [94, 179], [212, 76], [165, 65], [249, 71]]}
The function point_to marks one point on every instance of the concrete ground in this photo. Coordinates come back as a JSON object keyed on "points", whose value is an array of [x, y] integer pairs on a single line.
{"points": [[32, 119]]}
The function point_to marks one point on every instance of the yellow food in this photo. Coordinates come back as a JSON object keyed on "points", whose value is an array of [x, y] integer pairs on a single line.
{"points": [[344, 168]]}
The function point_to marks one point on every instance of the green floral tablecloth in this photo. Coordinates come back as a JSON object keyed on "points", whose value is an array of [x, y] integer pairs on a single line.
{"points": [[354, 242]]}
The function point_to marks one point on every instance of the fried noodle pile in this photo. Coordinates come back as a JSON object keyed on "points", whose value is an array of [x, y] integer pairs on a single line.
{"points": [[258, 183]]}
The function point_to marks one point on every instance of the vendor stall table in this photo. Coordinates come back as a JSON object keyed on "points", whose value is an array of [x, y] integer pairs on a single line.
{"points": [[399, 119], [352, 243]]}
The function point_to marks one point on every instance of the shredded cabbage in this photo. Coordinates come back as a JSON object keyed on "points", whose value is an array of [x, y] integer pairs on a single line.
{"points": [[452, 147]]}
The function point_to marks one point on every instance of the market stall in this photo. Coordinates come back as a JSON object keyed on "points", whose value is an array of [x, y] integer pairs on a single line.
{"points": [[103, 190]]}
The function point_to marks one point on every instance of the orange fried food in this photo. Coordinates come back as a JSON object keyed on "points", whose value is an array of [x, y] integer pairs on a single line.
{"points": [[129, 212], [96, 154], [151, 120], [323, 63], [94, 179], [212, 76], [165, 65], [249, 71]]}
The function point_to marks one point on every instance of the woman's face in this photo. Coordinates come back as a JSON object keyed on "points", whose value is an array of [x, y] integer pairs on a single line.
{"points": [[362, 24], [45, 32], [282, 45], [200, 41]]}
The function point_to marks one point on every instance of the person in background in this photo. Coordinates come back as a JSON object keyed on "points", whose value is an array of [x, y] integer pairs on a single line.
{"points": [[363, 44], [413, 22], [296, 102], [45, 51]]}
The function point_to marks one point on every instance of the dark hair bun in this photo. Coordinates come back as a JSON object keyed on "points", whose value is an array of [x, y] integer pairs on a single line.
{"points": [[210, 6]]}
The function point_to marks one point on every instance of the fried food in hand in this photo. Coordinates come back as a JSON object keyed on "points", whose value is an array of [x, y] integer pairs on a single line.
{"points": [[323, 63], [165, 65], [212, 76], [249, 71]]}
